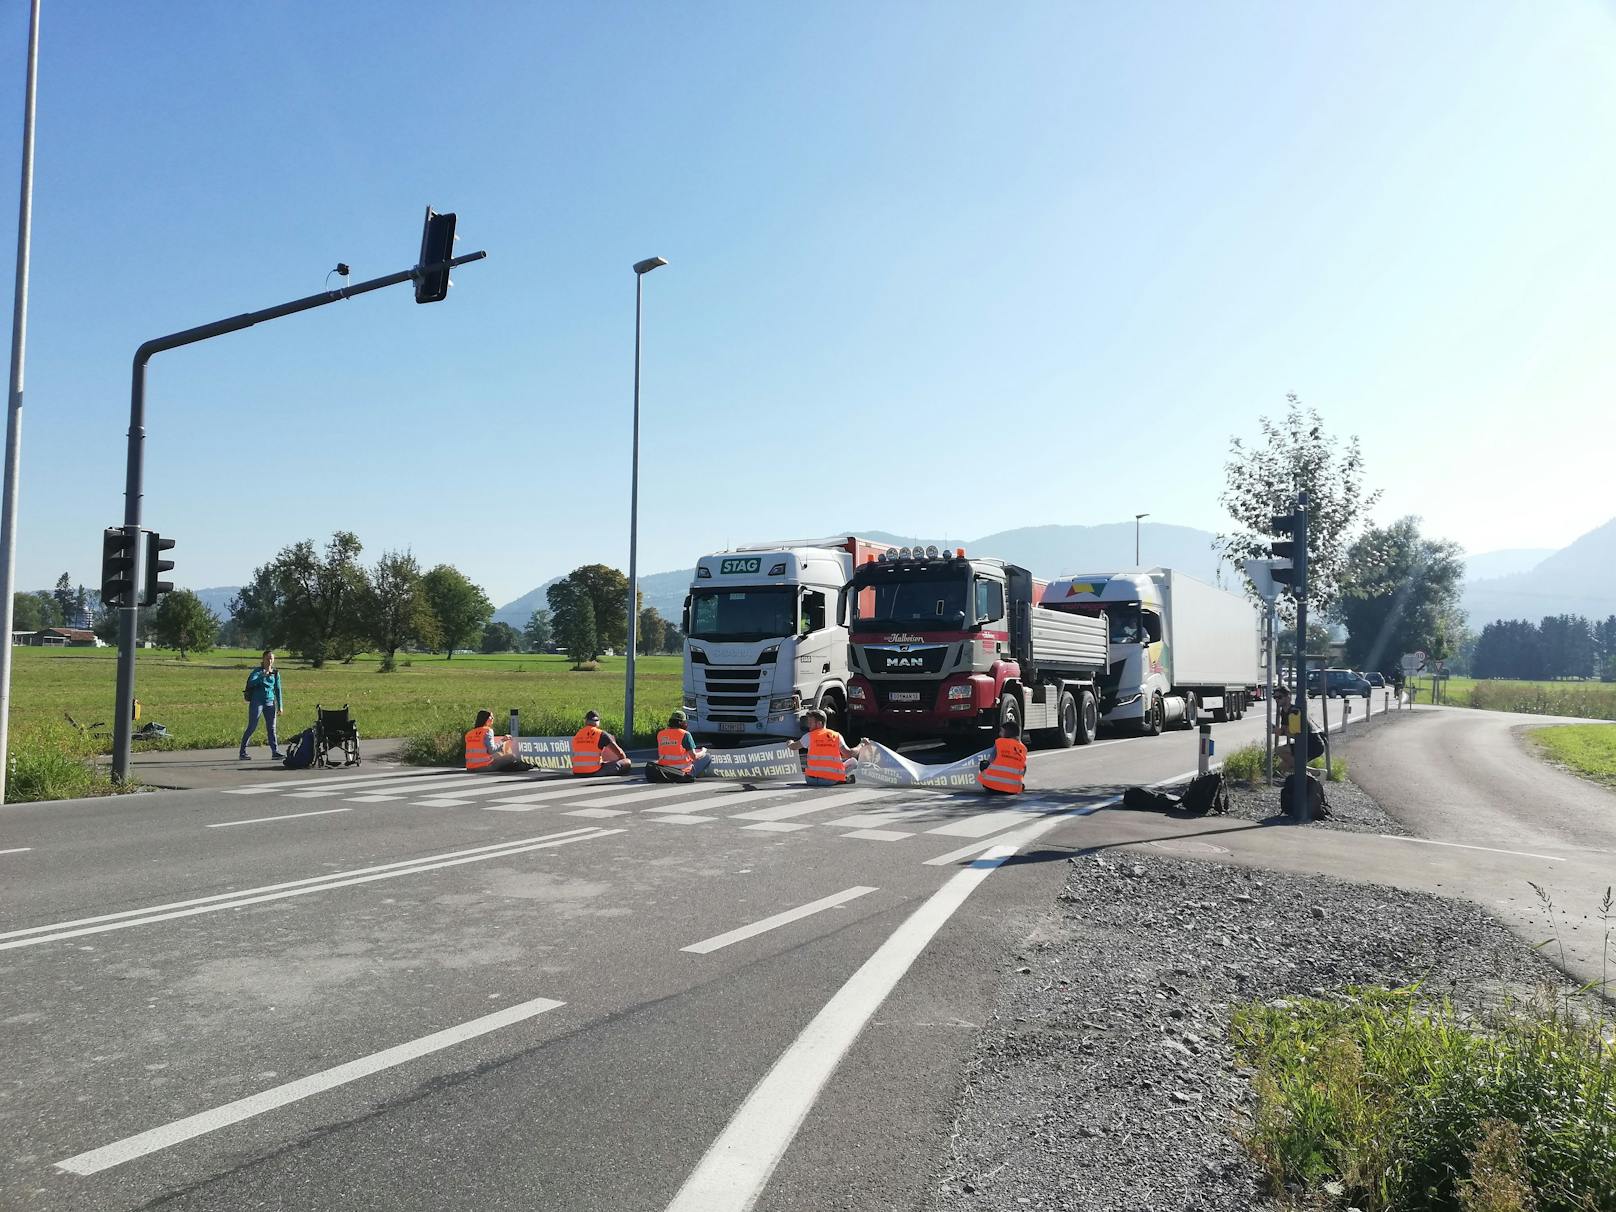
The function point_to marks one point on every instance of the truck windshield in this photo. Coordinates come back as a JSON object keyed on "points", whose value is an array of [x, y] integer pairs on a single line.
{"points": [[928, 600], [742, 615], [1127, 627]]}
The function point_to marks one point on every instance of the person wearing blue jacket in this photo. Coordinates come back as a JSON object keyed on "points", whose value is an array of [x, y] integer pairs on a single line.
{"points": [[263, 695]]}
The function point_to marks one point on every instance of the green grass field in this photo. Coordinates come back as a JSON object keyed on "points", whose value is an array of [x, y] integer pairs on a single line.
{"points": [[1588, 749], [199, 699], [1590, 700]]}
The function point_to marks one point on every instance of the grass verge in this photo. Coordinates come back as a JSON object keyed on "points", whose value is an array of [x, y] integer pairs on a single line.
{"points": [[1588, 749], [49, 762], [1589, 700], [1247, 764], [1381, 1100]]}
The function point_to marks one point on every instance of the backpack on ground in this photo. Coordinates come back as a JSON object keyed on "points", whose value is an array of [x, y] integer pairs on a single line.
{"points": [[1143, 799], [1315, 796], [1205, 794], [300, 753], [656, 773]]}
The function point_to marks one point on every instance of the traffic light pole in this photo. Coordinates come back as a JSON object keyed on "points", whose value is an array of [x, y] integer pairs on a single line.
{"points": [[1301, 806], [129, 613]]}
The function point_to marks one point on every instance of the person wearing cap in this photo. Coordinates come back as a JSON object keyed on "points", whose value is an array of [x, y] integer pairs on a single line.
{"points": [[677, 752], [1005, 773], [596, 751], [485, 751], [1288, 725], [828, 754]]}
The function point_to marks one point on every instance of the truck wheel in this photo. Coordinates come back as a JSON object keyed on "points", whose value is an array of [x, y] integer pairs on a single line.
{"points": [[1151, 725], [1066, 732], [1088, 718], [1009, 709], [1240, 705], [1192, 710]]}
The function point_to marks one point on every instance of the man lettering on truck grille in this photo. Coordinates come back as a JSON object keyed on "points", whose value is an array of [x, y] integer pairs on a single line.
{"points": [[828, 754], [1005, 773]]}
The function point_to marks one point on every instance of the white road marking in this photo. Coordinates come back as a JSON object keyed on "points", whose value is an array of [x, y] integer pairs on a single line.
{"points": [[879, 835], [437, 803], [588, 812], [352, 780], [481, 785], [309, 795], [803, 805], [779, 919], [953, 856], [777, 826], [1425, 841], [192, 1126], [577, 787], [648, 796], [17, 850], [980, 824], [318, 883], [369, 799], [264, 820], [680, 818]]}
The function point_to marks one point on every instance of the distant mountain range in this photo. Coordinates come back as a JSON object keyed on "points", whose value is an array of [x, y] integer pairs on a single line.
{"points": [[1525, 583]]}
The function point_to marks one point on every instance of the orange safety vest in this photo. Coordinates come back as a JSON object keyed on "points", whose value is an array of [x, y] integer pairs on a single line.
{"points": [[1008, 768], [825, 756], [586, 757], [477, 755], [671, 751]]}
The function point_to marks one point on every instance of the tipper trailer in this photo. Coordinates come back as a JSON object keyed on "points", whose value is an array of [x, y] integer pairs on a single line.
{"points": [[945, 646], [1180, 648]]}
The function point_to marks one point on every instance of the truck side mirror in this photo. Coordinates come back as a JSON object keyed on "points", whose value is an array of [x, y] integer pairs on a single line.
{"points": [[686, 615]]}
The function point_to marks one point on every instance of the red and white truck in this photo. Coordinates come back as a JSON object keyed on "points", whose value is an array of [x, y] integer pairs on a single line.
{"points": [[948, 646]]}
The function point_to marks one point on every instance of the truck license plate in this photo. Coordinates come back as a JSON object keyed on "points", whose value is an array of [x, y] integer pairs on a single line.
{"points": [[727, 726], [905, 696]]}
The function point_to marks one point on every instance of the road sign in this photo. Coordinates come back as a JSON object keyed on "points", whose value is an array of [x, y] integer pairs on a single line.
{"points": [[1419, 658]]}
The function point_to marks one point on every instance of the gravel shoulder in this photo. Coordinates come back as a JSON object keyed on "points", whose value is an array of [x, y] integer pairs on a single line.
{"points": [[1105, 1079]]}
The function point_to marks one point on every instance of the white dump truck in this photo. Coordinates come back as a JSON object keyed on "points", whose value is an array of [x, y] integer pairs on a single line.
{"points": [[764, 638], [1180, 648]]}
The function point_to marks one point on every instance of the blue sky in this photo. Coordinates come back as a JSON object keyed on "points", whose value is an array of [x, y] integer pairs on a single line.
{"points": [[934, 268]]}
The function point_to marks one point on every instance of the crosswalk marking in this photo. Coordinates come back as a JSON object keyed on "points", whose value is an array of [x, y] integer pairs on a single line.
{"points": [[680, 818], [344, 782], [655, 793], [879, 835], [777, 826], [484, 785], [552, 792], [593, 812], [806, 804], [369, 799], [984, 823]]}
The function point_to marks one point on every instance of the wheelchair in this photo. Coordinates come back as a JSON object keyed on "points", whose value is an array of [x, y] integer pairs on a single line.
{"points": [[335, 732]]}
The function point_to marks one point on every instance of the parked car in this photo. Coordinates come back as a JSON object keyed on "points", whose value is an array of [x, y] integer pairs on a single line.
{"points": [[1377, 680], [1337, 683]]}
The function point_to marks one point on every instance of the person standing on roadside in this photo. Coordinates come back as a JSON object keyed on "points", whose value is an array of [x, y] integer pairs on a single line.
{"points": [[263, 695]]}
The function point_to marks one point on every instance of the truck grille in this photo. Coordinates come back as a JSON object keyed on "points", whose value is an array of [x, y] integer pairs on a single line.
{"points": [[732, 691], [905, 658]]}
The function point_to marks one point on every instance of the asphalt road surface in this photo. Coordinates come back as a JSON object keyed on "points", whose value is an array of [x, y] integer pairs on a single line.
{"points": [[427, 990]]}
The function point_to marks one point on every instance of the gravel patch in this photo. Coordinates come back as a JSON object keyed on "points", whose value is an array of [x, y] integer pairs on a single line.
{"points": [[1352, 809], [1105, 1079]]}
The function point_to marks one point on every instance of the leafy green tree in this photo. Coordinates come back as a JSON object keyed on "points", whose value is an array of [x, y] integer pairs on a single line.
{"points": [[460, 608], [1261, 482], [673, 640], [501, 637], [575, 623], [395, 607], [1398, 589], [607, 590], [259, 609], [322, 595], [653, 630], [182, 622], [63, 595], [29, 613], [539, 630]]}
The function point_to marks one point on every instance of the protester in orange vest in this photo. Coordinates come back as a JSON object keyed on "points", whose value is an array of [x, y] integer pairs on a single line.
{"points": [[828, 754], [1005, 773], [677, 753], [596, 751], [485, 751]]}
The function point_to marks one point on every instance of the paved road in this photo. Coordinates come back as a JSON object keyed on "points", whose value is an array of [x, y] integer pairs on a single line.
{"points": [[422, 990]]}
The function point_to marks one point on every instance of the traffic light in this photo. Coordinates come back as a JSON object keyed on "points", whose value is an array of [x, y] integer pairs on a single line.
{"points": [[118, 566], [1284, 564], [437, 246], [151, 587]]}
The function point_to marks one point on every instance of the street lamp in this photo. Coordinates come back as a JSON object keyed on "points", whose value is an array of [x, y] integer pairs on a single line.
{"points": [[1136, 518], [641, 268]]}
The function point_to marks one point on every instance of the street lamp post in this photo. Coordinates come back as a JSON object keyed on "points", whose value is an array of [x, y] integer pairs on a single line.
{"points": [[1136, 518], [641, 268]]}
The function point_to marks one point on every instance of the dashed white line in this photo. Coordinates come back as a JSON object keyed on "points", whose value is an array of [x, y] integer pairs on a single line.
{"points": [[264, 820], [131, 1147], [17, 850], [741, 933], [1425, 841]]}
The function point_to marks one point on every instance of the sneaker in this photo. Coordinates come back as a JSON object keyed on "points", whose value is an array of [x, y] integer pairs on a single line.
{"points": [[244, 756], [279, 757]]}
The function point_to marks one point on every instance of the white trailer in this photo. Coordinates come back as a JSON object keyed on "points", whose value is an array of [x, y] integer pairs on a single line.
{"points": [[1180, 648]]}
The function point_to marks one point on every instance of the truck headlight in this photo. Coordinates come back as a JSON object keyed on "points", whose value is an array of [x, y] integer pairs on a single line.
{"points": [[855, 692], [959, 693], [785, 702], [690, 702]]}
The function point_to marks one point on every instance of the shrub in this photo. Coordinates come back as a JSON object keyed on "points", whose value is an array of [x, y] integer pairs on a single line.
{"points": [[1246, 764], [54, 763]]}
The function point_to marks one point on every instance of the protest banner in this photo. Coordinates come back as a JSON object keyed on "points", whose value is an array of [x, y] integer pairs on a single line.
{"points": [[881, 767]]}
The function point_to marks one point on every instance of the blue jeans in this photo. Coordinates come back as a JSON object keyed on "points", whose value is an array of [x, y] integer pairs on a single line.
{"points": [[254, 710]]}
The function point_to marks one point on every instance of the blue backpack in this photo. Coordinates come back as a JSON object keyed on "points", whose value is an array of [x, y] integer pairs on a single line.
{"points": [[300, 753]]}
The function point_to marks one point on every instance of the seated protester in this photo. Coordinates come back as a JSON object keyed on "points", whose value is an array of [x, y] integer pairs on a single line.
{"points": [[677, 757], [596, 751], [828, 755], [485, 751], [1005, 773], [1288, 725]]}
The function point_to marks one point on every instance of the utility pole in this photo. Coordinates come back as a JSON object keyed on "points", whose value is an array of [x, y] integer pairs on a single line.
{"points": [[432, 285], [19, 343], [1301, 806], [641, 268]]}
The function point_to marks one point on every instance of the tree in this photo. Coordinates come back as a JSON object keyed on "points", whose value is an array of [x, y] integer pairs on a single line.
{"points": [[184, 623], [460, 608], [607, 590], [1605, 648], [653, 630], [538, 630], [258, 610], [673, 640], [63, 596], [501, 637], [1318, 639], [322, 596], [1509, 648], [1398, 588], [1262, 484], [395, 608], [575, 623], [34, 612]]}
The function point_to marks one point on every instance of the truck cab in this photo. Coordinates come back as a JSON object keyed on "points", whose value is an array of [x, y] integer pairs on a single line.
{"points": [[764, 639], [1140, 668]]}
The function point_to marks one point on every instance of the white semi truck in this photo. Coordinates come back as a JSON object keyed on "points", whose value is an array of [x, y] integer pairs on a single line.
{"points": [[1180, 648], [764, 638]]}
